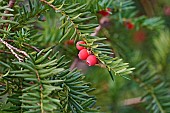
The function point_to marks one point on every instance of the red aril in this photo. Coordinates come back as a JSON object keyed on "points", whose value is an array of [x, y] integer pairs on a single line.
{"points": [[91, 60], [78, 46], [83, 54]]}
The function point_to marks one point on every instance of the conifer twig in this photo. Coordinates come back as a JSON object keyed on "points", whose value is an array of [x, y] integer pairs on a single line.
{"points": [[9, 47], [28, 45], [133, 101], [95, 33], [33, 47], [49, 4], [12, 48]]}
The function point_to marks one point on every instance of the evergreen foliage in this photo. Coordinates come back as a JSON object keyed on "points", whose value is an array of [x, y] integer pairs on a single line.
{"points": [[34, 62]]}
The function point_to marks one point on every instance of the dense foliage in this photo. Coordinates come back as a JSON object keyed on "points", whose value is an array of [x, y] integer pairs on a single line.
{"points": [[40, 71]]}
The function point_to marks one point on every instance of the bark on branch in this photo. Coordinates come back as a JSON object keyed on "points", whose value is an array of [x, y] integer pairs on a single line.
{"points": [[13, 49], [10, 5]]}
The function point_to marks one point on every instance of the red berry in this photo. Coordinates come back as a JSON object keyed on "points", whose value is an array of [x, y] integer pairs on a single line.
{"points": [[167, 11], [83, 54], [70, 42], [105, 12], [91, 60], [139, 36], [78, 45], [31, 82], [108, 9], [129, 25]]}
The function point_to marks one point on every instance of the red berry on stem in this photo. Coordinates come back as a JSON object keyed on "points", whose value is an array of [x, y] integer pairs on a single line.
{"points": [[70, 42], [167, 11], [139, 36], [78, 45], [129, 25], [91, 60], [105, 12], [83, 54], [108, 9]]}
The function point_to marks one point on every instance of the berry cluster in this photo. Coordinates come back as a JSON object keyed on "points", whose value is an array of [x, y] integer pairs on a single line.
{"points": [[85, 54]]}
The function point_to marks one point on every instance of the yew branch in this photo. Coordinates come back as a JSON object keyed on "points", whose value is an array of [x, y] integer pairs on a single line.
{"points": [[12, 48]]}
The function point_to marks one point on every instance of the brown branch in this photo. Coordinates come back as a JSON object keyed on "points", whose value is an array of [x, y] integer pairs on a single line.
{"points": [[30, 46], [7, 52], [44, 1], [19, 51], [74, 63], [12, 51], [10, 5], [33, 47], [148, 7], [12, 48], [133, 101], [96, 31]]}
